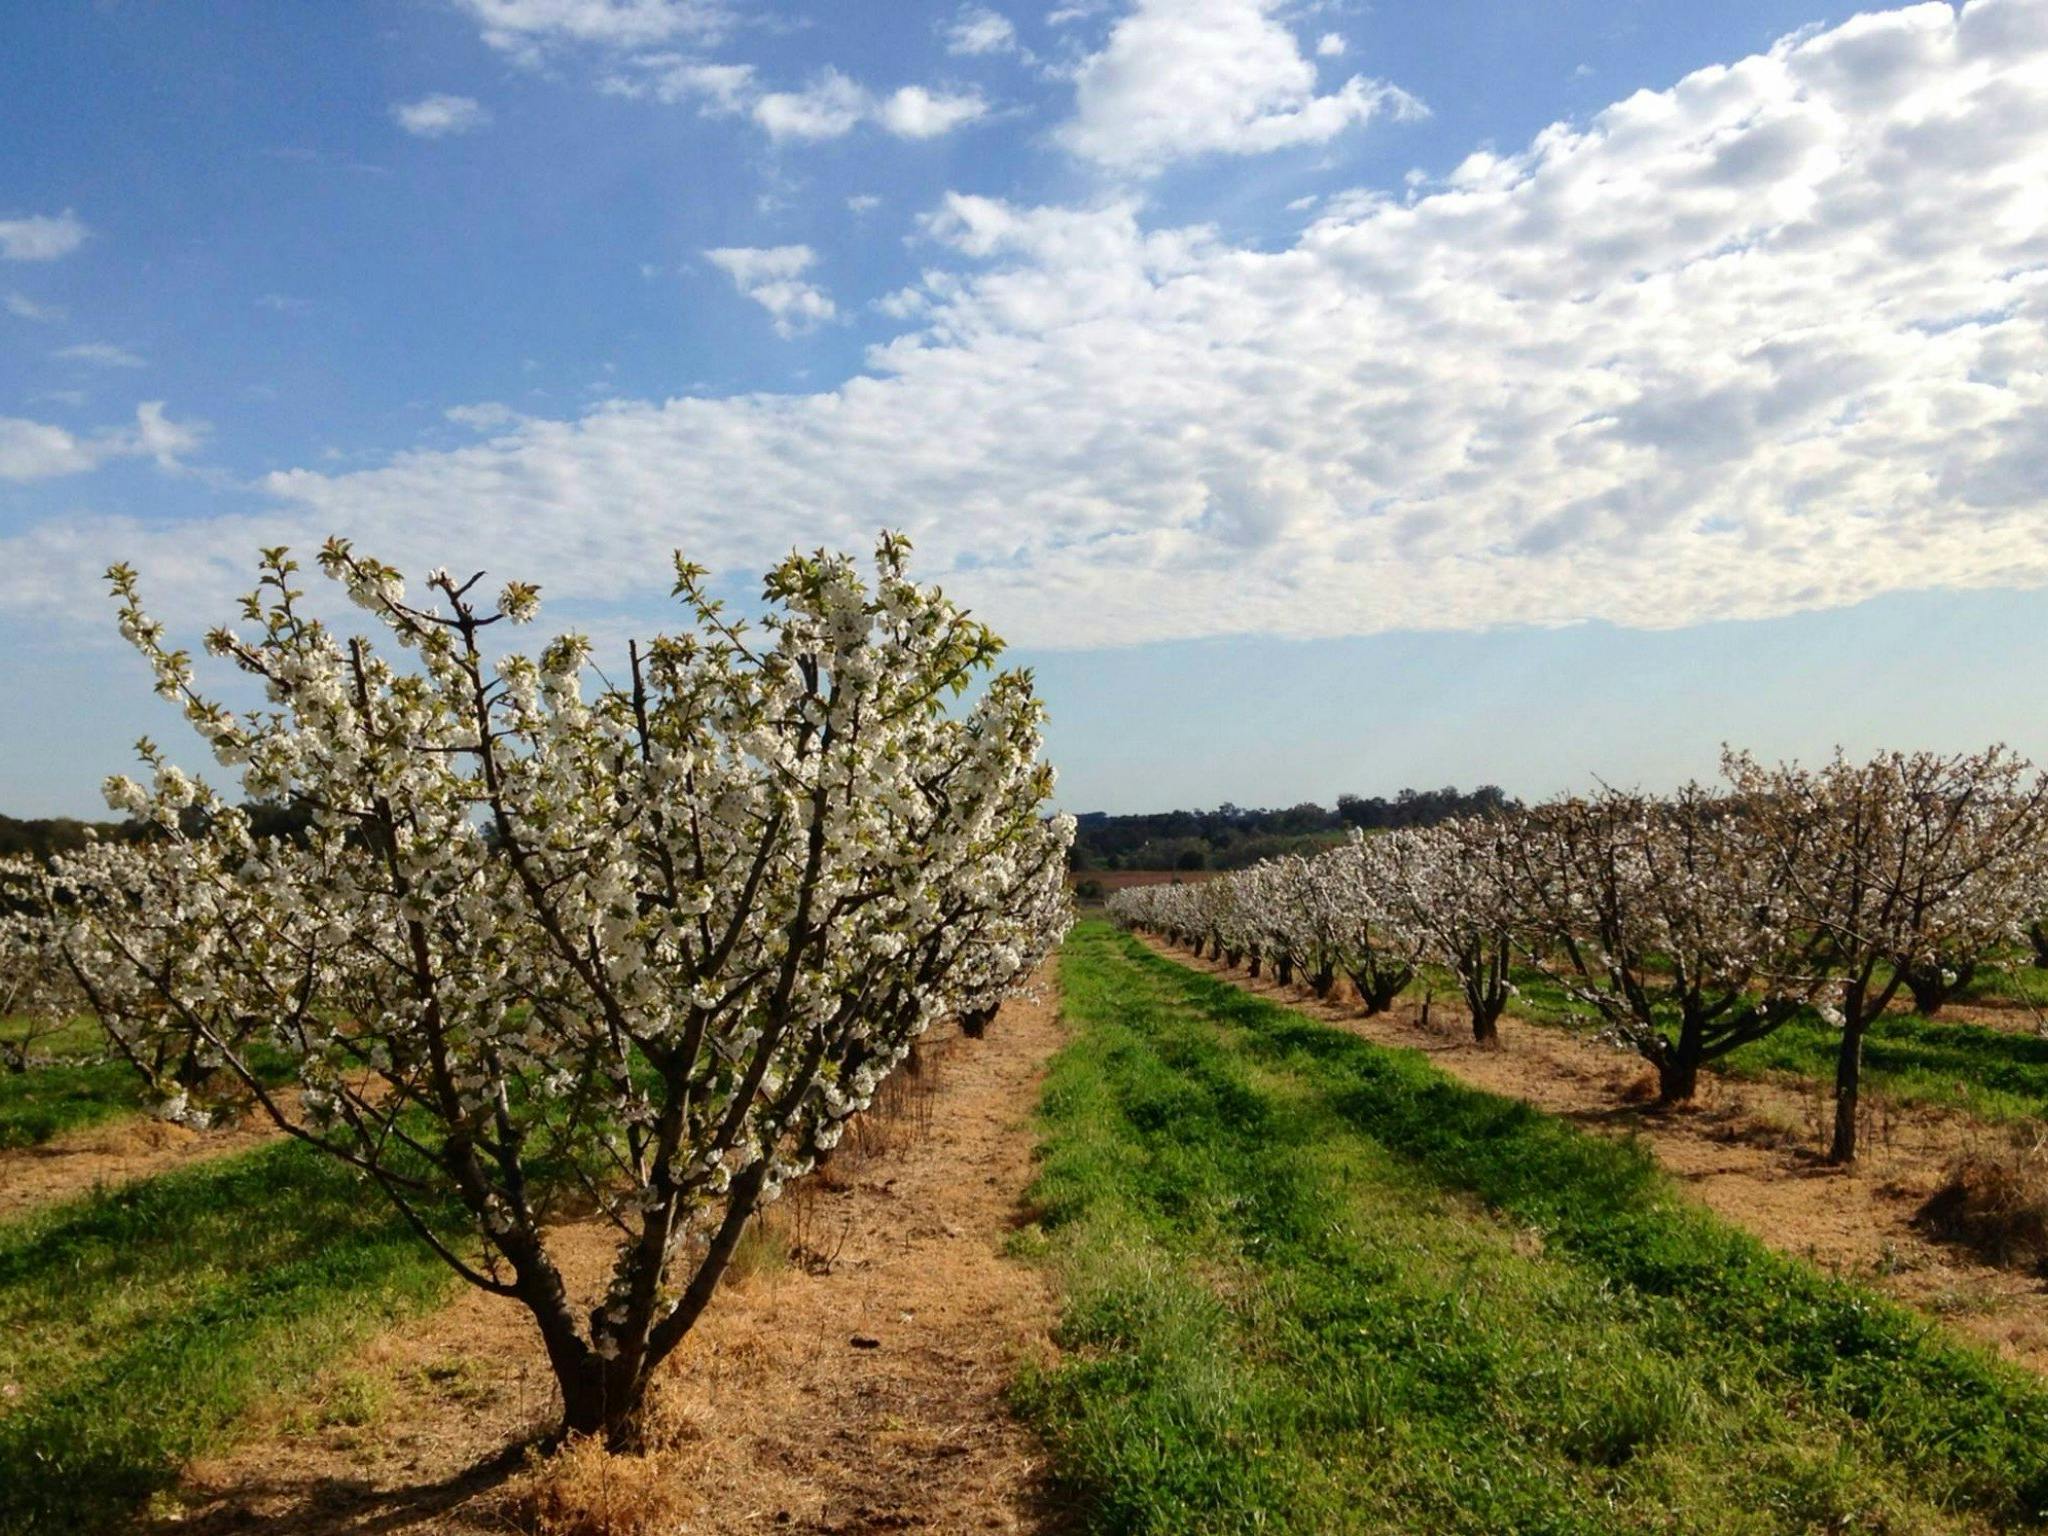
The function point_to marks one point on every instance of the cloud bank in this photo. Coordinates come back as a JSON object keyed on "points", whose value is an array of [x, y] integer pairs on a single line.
{"points": [[1771, 339]]}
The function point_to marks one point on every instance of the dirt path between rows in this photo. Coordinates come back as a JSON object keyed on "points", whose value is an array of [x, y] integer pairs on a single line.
{"points": [[135, 1146], [850, 1378], [1749, 1151]]}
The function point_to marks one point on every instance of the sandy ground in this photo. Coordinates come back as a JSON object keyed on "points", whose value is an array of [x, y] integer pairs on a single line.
{"points": [[132, 1147], [1750, 1151], [849, 1380]]}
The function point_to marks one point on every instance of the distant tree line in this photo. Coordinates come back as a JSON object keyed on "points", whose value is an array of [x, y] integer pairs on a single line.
{"points": [[40, 837], [1234, 836]]}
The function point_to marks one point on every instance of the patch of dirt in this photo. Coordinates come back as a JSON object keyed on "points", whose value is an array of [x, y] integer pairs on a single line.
{"points": [[1750, 1151], [132, 1147], [849, 1379]]}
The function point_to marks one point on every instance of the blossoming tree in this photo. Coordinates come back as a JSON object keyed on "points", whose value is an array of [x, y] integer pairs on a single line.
{"points": [[648, 942], [1663, 916], [1903, 864]]}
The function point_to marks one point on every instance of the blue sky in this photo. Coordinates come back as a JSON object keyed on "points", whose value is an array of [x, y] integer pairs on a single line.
{"points": [[1324, 396]]}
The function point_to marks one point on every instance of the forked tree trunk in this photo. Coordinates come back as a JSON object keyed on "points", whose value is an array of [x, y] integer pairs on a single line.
{"points": [[1931, 989], [1283, 969], [1323, 979], [974, 1022], [1378, 989]]}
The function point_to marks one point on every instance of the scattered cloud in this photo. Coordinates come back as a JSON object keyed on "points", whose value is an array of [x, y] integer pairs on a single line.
{"points": [[485, 416], [916, 113], [863, 202], [22, 307], [718, 89], [1179, 79], [772, 276], [979, 30], [1767, 340], [440, 116], [41, 236], [1330, 46], [101, 354], [34, 450], [526, 29], [830, 106], [833, 105]]}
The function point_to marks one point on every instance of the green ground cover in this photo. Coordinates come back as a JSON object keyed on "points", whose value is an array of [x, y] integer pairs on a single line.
{"points": [[1315, 1285], [138, 1324]]}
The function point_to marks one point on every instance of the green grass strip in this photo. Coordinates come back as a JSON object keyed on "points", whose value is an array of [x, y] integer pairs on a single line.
{"points": [[1994, 1075], [51, 1098], [137, 1325], [1315, 1285]]}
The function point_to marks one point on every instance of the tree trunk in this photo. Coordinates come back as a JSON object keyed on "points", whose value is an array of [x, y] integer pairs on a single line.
{"points": [[1848, 1072], [1256, 958], [1283, 970], [1323, 980], [2038, 934], [1198, 946], [1678, 1079], [600, 1399], [1678, 1069], [1486, 1010], [974, 1022]]}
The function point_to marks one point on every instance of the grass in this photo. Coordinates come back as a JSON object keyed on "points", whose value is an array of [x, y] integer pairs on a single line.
{"points": [[137, 1325], [1314, 1285], [54, 1097], [75, 1084]]}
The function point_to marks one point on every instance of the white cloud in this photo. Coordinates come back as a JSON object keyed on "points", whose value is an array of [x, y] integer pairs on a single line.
{"points": [[1183, 78], [485, 416], [100, 354], [41, 236], [34, 450], [979, 30], [1330, 45], [916, 113], [525, 28], [22, 307], [1769, 340], [831, 105], [863, 202], [772, 276], [718, 89], [438, 116]]}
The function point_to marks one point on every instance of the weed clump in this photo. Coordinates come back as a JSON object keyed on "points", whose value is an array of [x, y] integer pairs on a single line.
{"points": [[1994, 1201]]}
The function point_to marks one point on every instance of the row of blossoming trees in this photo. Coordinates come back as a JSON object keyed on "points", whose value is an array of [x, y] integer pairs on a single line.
{"points": [[647, 940], [1688, 924]]}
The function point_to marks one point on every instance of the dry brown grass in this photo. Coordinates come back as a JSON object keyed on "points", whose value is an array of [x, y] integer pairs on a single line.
{"points": [[585, 1490], [1994, 1201]]}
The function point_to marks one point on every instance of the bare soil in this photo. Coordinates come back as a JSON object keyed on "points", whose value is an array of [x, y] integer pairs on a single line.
{"points": [[133, 1147], [1750, 1151], [850, 1378]]}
